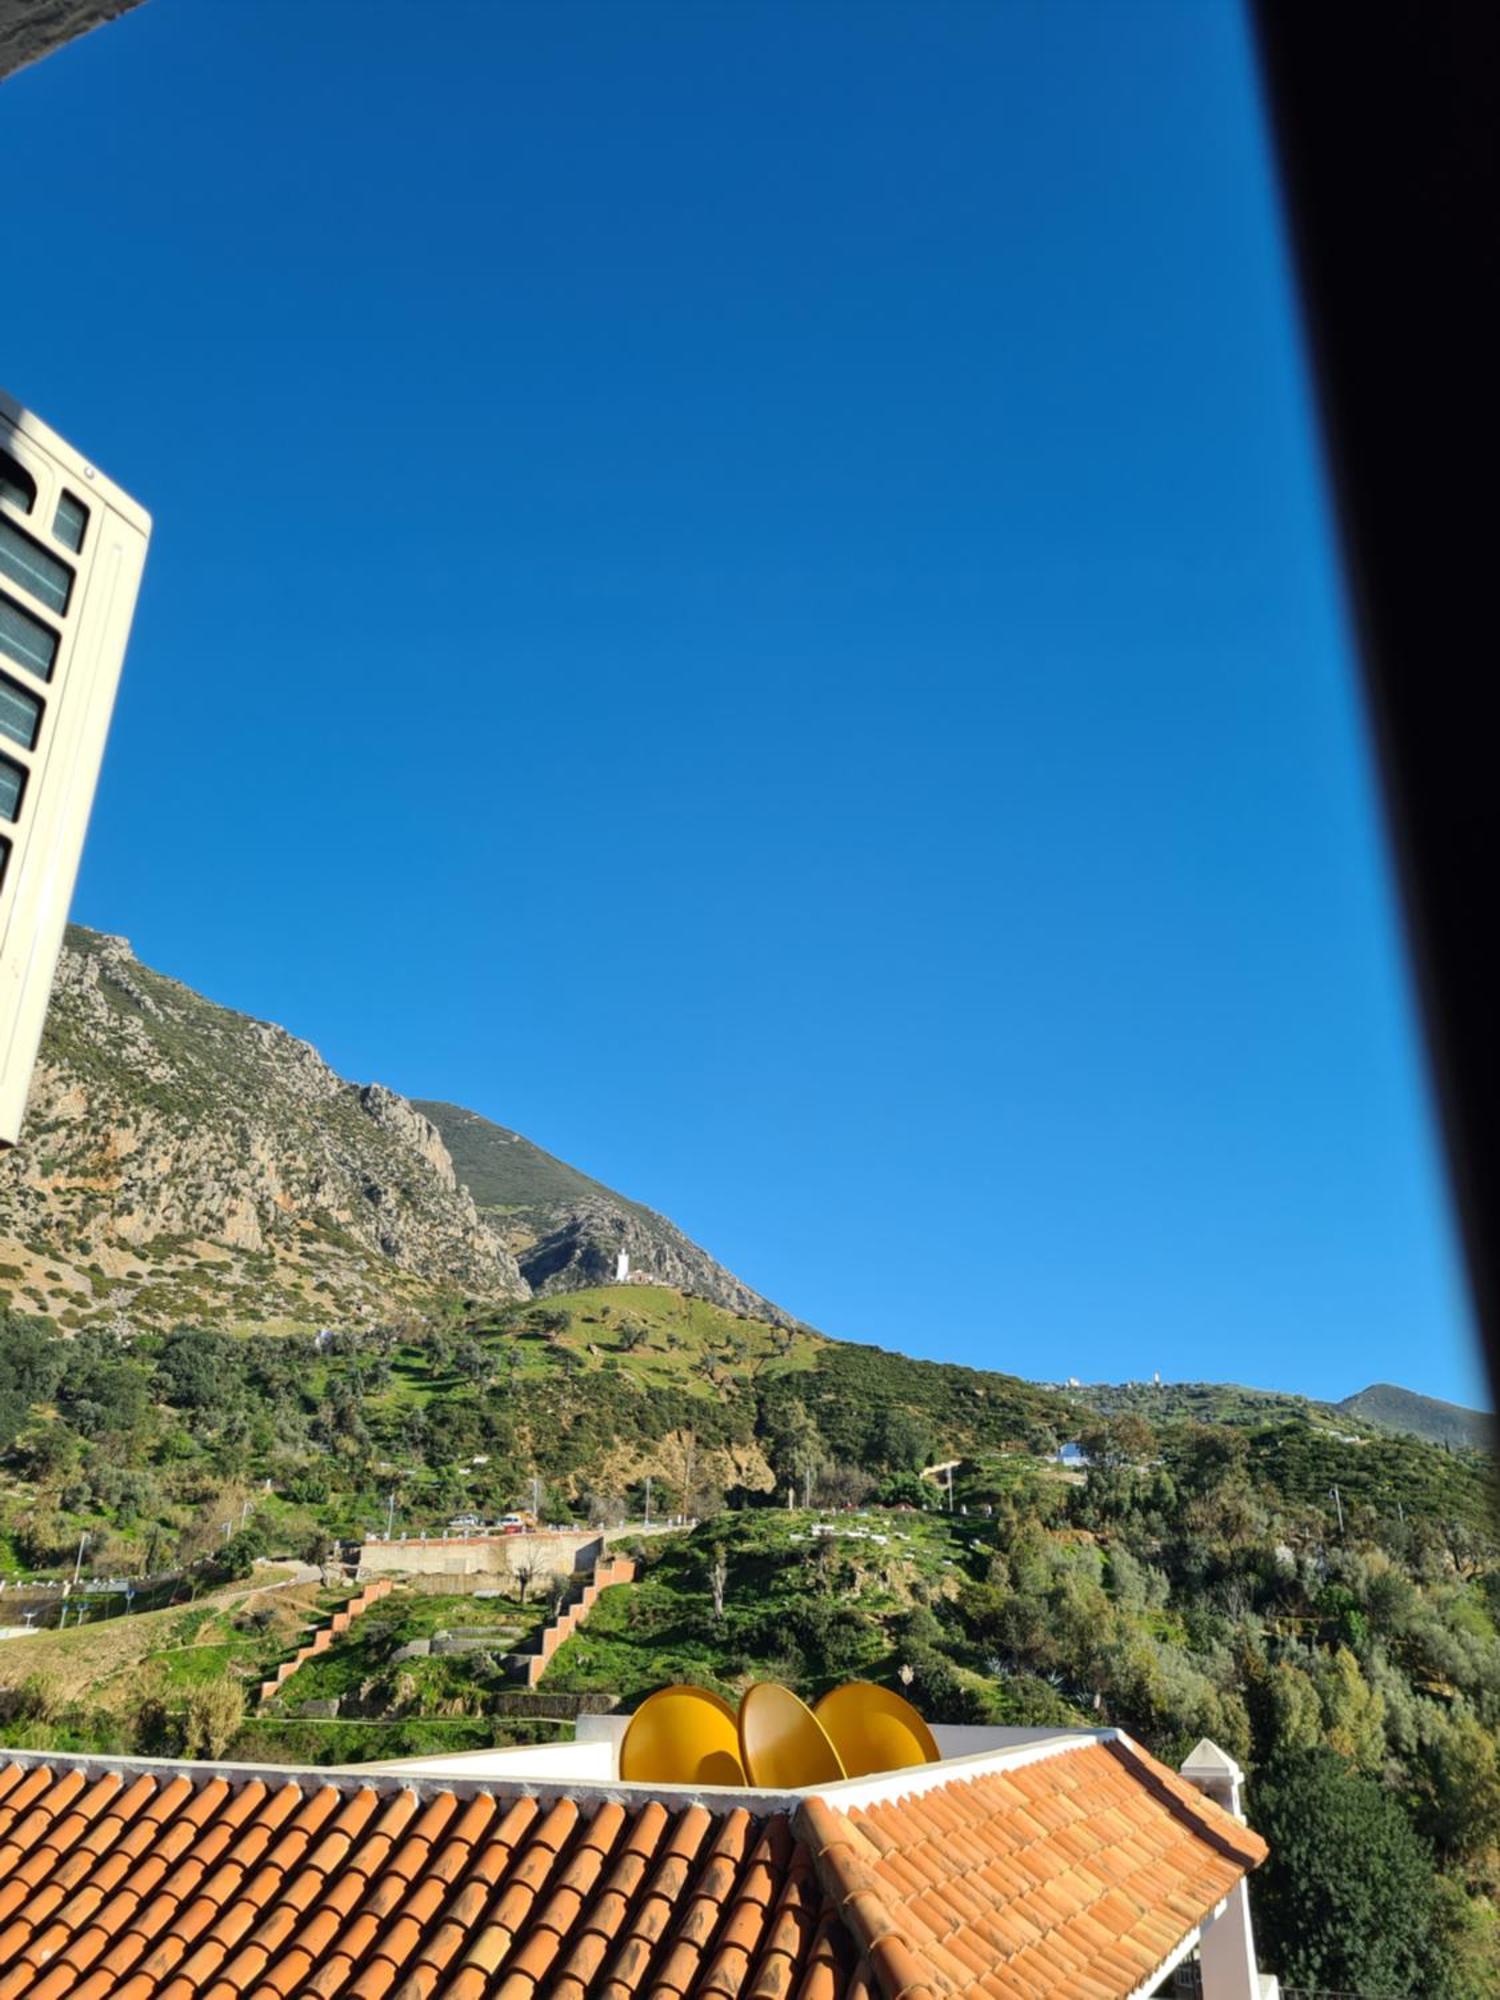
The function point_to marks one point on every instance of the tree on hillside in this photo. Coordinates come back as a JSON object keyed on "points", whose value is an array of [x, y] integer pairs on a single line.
{"points": [[48, 1454], [1119, 1442], [1210, 1455], [1348, 1900], [1459, 1799], [474, 1361], [525, 1564], [235, 1558], [550, 1321], [904, 1489], [1353, 1711], [899, 1439], [30, 1362], [796, 1450]]}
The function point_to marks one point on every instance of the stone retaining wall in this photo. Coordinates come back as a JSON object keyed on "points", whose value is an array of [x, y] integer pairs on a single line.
{"points": [[455, 1558]]}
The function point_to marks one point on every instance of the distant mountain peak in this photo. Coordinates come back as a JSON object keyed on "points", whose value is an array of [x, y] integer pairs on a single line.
{"points": [[1397, 1409]]}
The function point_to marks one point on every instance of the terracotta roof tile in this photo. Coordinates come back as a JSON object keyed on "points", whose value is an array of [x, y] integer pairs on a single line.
{"points": [[1070, 1877]]}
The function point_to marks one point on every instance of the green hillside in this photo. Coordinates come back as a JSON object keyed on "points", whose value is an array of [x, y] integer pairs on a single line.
{"points": [[658, 1338], [1207, 1403], [1396, 1409], [128, 1439], [1296, 1587]]}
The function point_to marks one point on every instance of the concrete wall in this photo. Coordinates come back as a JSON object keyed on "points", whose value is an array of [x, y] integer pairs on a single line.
{"points": [[973, 1739], [582, 1763], [479, 1557]]}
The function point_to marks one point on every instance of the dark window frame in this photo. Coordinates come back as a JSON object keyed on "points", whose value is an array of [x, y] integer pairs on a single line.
{"points": [[11, 471], [23, 771], [67, 498], [19, 583], [29, 617], [8, 684]]}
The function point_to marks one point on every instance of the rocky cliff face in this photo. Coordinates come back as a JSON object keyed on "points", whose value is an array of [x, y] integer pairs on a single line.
{"points": [[31, 29], [566, 1230], [182, 1162], [580, 1246]]}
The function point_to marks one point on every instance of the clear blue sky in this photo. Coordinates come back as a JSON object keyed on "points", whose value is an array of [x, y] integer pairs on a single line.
{"points": [[746, 589]]}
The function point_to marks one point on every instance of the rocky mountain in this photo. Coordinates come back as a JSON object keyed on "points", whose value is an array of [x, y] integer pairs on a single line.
{"points": [[567, 1231], [184, 1163], [1427, 1417]]}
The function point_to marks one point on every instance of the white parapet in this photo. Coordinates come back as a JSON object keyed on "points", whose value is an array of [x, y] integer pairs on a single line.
{"points": [[1226, 1950]]}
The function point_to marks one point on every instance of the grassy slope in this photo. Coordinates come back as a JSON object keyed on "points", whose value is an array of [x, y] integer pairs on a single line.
{"points": [[104, 1661], [685, 1338], [100, 1676], [503, 1170]]}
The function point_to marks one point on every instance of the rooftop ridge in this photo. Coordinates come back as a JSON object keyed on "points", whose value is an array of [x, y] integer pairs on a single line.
{"points": [[1237, 1841], [396, 1775], [387, 1780]]}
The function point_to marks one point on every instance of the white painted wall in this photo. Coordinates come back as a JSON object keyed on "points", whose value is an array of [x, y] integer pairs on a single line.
{"points": [[590, 1762], [1226, 1950]]}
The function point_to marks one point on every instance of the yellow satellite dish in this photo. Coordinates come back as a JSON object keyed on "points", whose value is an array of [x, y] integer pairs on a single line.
{"points": [[782, 1743], [873, 1729], [682, 1736]]}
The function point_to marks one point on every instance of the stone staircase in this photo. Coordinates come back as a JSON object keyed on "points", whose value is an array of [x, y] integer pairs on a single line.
{"points": [[529, 1667], [324, 1635]]}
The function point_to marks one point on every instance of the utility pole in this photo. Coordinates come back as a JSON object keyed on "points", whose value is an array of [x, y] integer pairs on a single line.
{"points": [[390, 1513], [78, 1566], [536, 1499], [950, 1488], [1338, 1503], [648, 1499]]}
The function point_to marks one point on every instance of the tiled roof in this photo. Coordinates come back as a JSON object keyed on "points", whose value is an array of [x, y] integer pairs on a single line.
{"points": [[1075, 1874]]}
